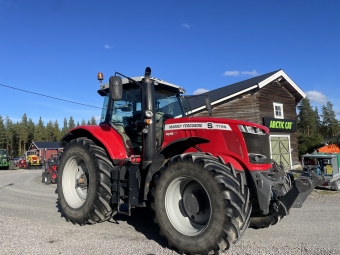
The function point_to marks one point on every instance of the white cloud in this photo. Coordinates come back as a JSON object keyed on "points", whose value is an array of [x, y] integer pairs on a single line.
{"points": [[200, 91], [251, 73], [316, 97], [108, 46], [239, 73], [186, 25], [231, 73]]}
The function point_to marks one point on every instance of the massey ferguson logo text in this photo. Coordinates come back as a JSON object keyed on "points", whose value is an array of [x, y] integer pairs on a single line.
{"points": [[202, 125]]}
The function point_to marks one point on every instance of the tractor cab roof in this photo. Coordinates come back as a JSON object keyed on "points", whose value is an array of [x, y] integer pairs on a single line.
{"points": [[159, 85]]}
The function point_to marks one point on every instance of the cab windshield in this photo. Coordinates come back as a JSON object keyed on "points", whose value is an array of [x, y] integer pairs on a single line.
{"points": [[2, 153], [29, 153], [129, 107]]}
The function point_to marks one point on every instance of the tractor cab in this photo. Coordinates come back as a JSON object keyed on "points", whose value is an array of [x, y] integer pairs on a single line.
{"points": [[128, 117]]}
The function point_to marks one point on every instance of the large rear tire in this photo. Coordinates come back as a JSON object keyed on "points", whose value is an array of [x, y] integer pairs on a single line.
{"points": [[84, 183], [201, 205]]}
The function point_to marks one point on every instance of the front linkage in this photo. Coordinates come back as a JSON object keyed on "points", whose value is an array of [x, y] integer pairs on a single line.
{"points": [[275, 200]]}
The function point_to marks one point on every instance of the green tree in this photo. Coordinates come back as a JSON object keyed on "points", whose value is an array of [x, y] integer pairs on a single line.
{"points": [[71, 123], [50, 131], [83, 122], [330, 126], [93, 121], [308, 136], [23, 134], [30, 131], [57, 133], [40, 132], [65, 128], [10, 136], [3, 142]]}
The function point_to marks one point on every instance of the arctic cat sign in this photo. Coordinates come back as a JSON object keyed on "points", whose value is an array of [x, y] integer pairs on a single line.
{"points": [[280, 125]]}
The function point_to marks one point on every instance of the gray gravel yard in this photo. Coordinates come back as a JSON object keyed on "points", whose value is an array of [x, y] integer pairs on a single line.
{"points": [[31, 224]]}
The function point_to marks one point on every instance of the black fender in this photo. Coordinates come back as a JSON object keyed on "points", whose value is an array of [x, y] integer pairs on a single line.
{"points": [[174, 148]]}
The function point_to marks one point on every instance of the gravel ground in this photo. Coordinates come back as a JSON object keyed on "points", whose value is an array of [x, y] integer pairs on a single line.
{"points": [[30, 224]]}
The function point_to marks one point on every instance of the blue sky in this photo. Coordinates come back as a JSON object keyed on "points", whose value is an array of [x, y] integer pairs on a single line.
{"points": [[56, 47]]}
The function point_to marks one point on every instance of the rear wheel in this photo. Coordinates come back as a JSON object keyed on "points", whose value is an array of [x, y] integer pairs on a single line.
{"points": [[84, 183], [201, 205], [43, 175]]}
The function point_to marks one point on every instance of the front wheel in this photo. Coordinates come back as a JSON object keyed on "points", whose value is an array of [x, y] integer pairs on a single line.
{"points": [[48, 180], [84, 183], [337, 185], [201, 205]]}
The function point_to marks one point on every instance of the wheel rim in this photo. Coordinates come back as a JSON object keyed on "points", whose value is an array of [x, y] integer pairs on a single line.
{"points": [[75, 182], [337, 183], [188, 206], [45, 178]]}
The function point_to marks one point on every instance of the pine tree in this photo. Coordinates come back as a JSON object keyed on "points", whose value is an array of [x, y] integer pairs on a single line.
{"points": [[71, 123], [65, 128], [30, 131], [50, 131], [308, 137], [23, 134], [318, 120], [9, 135], [57, 133], [330, 125], [2, 133], [83, 122], [40, 132], [93, 121]]}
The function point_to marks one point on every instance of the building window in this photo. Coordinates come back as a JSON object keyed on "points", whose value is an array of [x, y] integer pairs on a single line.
{"points": [[278, 110]]}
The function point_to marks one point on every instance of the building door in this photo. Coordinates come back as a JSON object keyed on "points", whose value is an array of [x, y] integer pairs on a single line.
{"points": [[280, 150]]}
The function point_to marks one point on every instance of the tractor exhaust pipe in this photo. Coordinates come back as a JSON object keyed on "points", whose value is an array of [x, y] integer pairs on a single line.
{"points": [[149, 131]]}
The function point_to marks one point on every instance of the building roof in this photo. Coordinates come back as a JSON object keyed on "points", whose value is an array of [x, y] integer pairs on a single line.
{"points": [[47, 145], [227, 92]]}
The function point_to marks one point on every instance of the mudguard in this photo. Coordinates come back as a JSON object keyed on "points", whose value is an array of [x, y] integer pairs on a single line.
{"points": [[177, 147], [102, 133]]}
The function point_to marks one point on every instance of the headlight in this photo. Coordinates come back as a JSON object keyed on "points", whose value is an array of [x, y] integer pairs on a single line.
{"points": [[148, 114], [252, 130]]}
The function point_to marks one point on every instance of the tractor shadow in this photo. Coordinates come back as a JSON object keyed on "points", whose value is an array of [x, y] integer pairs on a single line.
{"points": [[141, 220]]}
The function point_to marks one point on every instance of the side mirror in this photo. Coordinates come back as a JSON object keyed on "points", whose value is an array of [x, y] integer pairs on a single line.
{"points": [[116, 88], [208, 105]]}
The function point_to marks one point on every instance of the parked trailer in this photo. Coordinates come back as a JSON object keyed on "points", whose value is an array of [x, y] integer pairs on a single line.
{"points": [[325, 164]]}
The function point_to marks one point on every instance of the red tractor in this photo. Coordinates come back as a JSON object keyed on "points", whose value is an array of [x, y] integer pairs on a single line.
{"points": [[49, 175], [207, 179], [22, 163]]}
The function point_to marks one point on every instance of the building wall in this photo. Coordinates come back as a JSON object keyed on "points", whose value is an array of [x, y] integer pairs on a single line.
{"points": [[276, 93], [244, 107]]}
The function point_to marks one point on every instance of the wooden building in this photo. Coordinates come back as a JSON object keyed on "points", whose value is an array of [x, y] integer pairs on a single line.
{"points": [[269, 100], [46, 149]]}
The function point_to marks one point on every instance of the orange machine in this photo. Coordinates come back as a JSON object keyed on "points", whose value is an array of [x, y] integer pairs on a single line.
{"points": [[331, 148]]}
